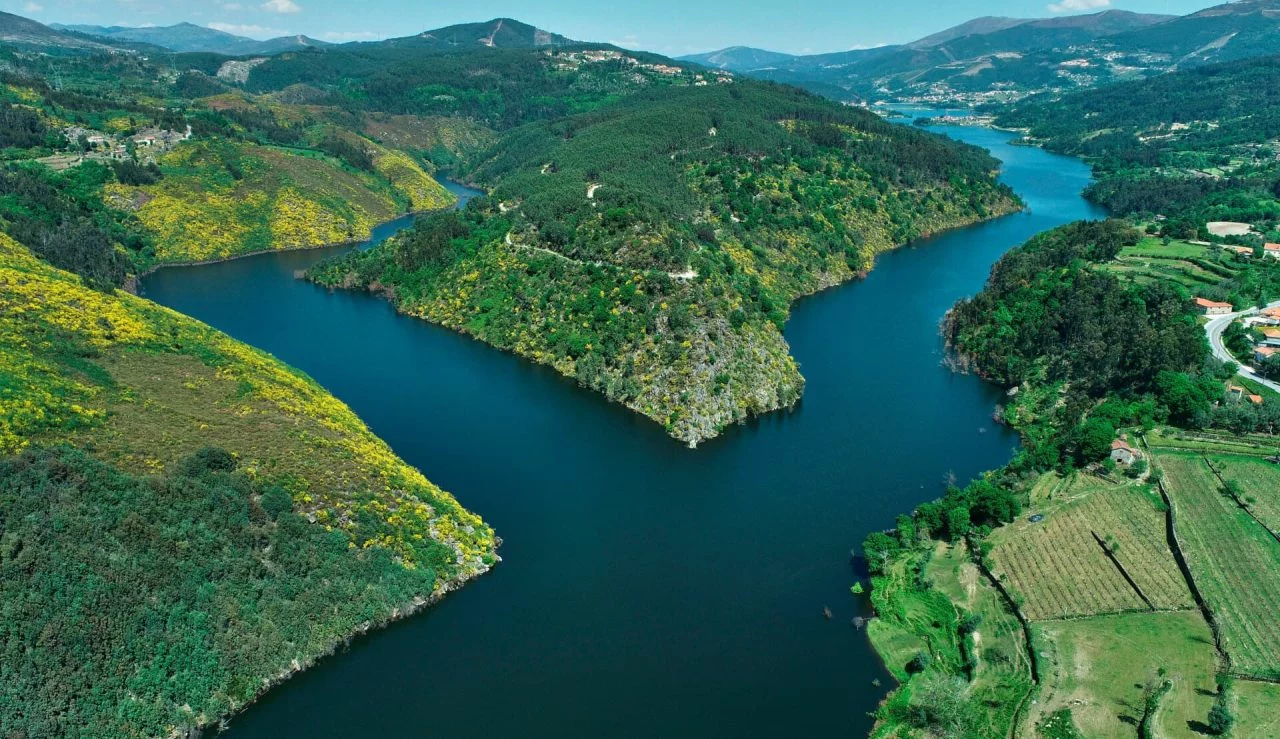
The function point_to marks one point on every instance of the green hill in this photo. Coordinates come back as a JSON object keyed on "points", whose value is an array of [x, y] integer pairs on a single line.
{"points": [[499, 33], [652, 248], [1196, 145], [217, 522], [190, 37]]}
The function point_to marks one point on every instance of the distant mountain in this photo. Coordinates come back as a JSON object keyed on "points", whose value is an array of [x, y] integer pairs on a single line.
{"points": [[739, 58], [1227, 32], [190, 37], [997, 58], [15, 29], [985, 24], [502, 33]]}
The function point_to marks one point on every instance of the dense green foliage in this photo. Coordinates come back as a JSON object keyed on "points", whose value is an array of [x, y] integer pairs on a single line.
{"points": [[1196, 145], [500, 88], [181, 591], [652, 248], [21, 128], [1049, 318], [62, 218]]}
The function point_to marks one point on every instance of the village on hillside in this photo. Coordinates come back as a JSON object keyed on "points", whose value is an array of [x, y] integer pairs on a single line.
{"points": [[87, 144]]}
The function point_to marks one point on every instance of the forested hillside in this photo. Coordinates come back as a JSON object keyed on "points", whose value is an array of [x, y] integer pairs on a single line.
{"points": [[216, 522], [652, 248], [1193, 146]]}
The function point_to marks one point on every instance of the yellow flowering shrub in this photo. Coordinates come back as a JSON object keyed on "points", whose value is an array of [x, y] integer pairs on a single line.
{"points": [[78, 365], [411, 179], [221, 199]]}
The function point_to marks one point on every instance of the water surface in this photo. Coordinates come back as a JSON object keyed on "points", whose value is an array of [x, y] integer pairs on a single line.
{"points": [[647, 589]]}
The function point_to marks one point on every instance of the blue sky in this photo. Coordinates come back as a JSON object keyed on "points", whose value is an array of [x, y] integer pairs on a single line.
{"points": [[670, 27]]}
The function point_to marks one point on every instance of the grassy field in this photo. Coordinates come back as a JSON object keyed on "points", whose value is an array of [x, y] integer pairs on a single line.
{"points": [[1100, 669], [1060, 569], [1258, 709], [1002, 676], [1261, 481], [1235, 563], [913, 621]]}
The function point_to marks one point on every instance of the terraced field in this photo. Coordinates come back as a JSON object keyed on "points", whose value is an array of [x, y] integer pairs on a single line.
{"points": [[1191, 265], [1002, 676], [1235, 563], [1061, 569], [1208, 442]]}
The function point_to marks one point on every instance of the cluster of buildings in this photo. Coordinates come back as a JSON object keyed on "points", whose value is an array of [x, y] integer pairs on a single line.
{"points": [[147, 143], [1266, 323], [1239, 394], [571, 60]]}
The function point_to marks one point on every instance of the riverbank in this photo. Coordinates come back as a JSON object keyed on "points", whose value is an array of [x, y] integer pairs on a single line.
{"points": [[715, 390], [698, 592]]}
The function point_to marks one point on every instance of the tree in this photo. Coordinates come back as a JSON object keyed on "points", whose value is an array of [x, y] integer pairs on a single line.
{"points": [[1093, 440], [919, 663], [879, 548], [1220, 719]]}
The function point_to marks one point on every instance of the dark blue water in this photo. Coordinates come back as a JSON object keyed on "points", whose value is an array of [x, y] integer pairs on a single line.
{"points": [[647, 589]]}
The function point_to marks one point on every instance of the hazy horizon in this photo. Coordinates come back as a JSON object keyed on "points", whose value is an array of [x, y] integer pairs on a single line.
{"points": [[663, 26]]}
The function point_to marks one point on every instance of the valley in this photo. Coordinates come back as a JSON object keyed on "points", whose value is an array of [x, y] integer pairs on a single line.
{"points": [[920, 505]]}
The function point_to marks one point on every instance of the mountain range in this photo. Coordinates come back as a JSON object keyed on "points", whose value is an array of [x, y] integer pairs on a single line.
{"points": [[994, 57], [190, 37]]}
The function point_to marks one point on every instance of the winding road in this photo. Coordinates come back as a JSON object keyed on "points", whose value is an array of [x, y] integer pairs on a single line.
{"points": [[1214, 329]]}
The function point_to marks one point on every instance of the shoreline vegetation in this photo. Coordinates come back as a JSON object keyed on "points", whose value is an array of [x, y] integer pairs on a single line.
{"points": [[1092, 330], [310, 247]]}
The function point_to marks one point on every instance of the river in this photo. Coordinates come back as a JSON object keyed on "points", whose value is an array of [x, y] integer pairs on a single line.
{"points": [[648, 589]]}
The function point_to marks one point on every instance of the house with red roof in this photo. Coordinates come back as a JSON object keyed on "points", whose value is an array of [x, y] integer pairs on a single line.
{"points": [[1213, 307], [1122, 453]]}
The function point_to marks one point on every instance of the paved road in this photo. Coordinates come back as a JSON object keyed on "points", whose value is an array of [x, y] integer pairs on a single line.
{"points": [[1214, 329]]}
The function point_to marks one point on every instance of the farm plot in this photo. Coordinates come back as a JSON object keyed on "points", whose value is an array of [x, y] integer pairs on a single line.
{"points": [[1234, 561], [1257, 709], [1261, 482], [1099, 667], [1213, 443], [1060, 569]]}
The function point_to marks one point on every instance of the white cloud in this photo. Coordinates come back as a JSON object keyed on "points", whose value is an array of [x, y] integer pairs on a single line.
{"points": [[248, 29], [348, 35], [232, 6], [1076, 6], [32, 8], [288, 6]]}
